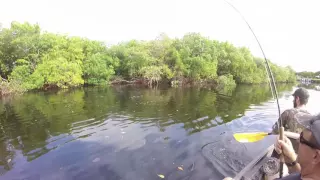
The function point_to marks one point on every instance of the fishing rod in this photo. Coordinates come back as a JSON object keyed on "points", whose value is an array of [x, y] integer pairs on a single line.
{"points": [[272, 84]]}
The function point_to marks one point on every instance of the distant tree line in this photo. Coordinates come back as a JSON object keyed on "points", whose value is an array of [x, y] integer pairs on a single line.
{"points": [[313, 76], [309, 74], [34, 60]]}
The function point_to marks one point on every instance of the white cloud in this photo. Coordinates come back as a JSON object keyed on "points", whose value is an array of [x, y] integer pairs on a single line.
{"points": [[287, 29]]}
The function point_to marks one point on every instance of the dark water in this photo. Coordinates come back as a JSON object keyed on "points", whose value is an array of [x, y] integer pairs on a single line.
{"points": [[126, 132]]}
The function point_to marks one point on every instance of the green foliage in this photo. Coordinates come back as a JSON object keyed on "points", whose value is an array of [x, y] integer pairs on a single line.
{"points": [[308, 74], [225, 84], [98, 69], [283, 74], [21, 41], [38, 60], [241, 64], [12, 87], [58, 72], [199, 56], [226, 81], [152, 74], [20, 73]]}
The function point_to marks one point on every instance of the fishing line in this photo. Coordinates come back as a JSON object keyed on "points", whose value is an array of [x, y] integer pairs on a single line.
{"points": [[271, 78]]}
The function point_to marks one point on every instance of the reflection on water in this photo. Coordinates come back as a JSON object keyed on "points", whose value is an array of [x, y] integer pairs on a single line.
{"points": [[124, 132]]}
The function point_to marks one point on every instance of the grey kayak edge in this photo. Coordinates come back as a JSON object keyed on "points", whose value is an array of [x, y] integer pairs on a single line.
{"points": [[255, 165]]}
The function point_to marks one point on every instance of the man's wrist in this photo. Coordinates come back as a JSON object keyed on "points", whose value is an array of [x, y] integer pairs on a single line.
{"points": [[291, 159], [291, 164]]}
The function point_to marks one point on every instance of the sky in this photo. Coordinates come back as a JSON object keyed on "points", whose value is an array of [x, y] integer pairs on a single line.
{"points": [[288, 30]]}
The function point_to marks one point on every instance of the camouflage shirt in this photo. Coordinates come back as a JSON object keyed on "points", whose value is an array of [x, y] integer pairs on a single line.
{"points": [[291, 123]]}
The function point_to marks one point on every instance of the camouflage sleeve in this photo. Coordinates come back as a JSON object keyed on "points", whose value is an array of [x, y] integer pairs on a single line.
{"points": [[284, 117], [275, 129]]}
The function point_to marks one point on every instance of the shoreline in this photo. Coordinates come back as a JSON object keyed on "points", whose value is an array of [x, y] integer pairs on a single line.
{"points": [[138, 82]]}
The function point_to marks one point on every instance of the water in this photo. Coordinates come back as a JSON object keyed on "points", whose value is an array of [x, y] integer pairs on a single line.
{"points": [[130, 133]]}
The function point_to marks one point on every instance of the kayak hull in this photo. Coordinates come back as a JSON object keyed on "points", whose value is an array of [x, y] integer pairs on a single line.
{"points": [[242, 160], [255, 169]]}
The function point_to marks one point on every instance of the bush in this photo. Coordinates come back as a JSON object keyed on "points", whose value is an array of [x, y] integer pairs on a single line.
{"points": [[226, 81], [12, 87], [58, 72], [97, 70], [152, 74]]}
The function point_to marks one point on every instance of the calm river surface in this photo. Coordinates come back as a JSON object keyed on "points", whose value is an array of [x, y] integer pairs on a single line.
{"points": [[128, 132]]}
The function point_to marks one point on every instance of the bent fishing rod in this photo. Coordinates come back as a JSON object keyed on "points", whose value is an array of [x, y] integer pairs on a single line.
{"points": [[272, 84]]}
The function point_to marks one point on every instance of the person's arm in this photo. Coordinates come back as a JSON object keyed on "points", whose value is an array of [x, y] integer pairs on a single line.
{"points": [[284, 146], [292, 164], [275, 129], [284, 117]]}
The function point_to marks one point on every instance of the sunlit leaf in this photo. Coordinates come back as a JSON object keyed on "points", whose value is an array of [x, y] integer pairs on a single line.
{"points": [[161, 176]]}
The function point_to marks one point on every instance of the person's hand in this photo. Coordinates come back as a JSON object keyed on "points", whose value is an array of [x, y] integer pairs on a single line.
{"points": [[285, 147]]}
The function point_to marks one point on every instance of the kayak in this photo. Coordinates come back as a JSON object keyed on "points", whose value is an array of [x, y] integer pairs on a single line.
{"points": [[243, 161], [263, 166]]}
